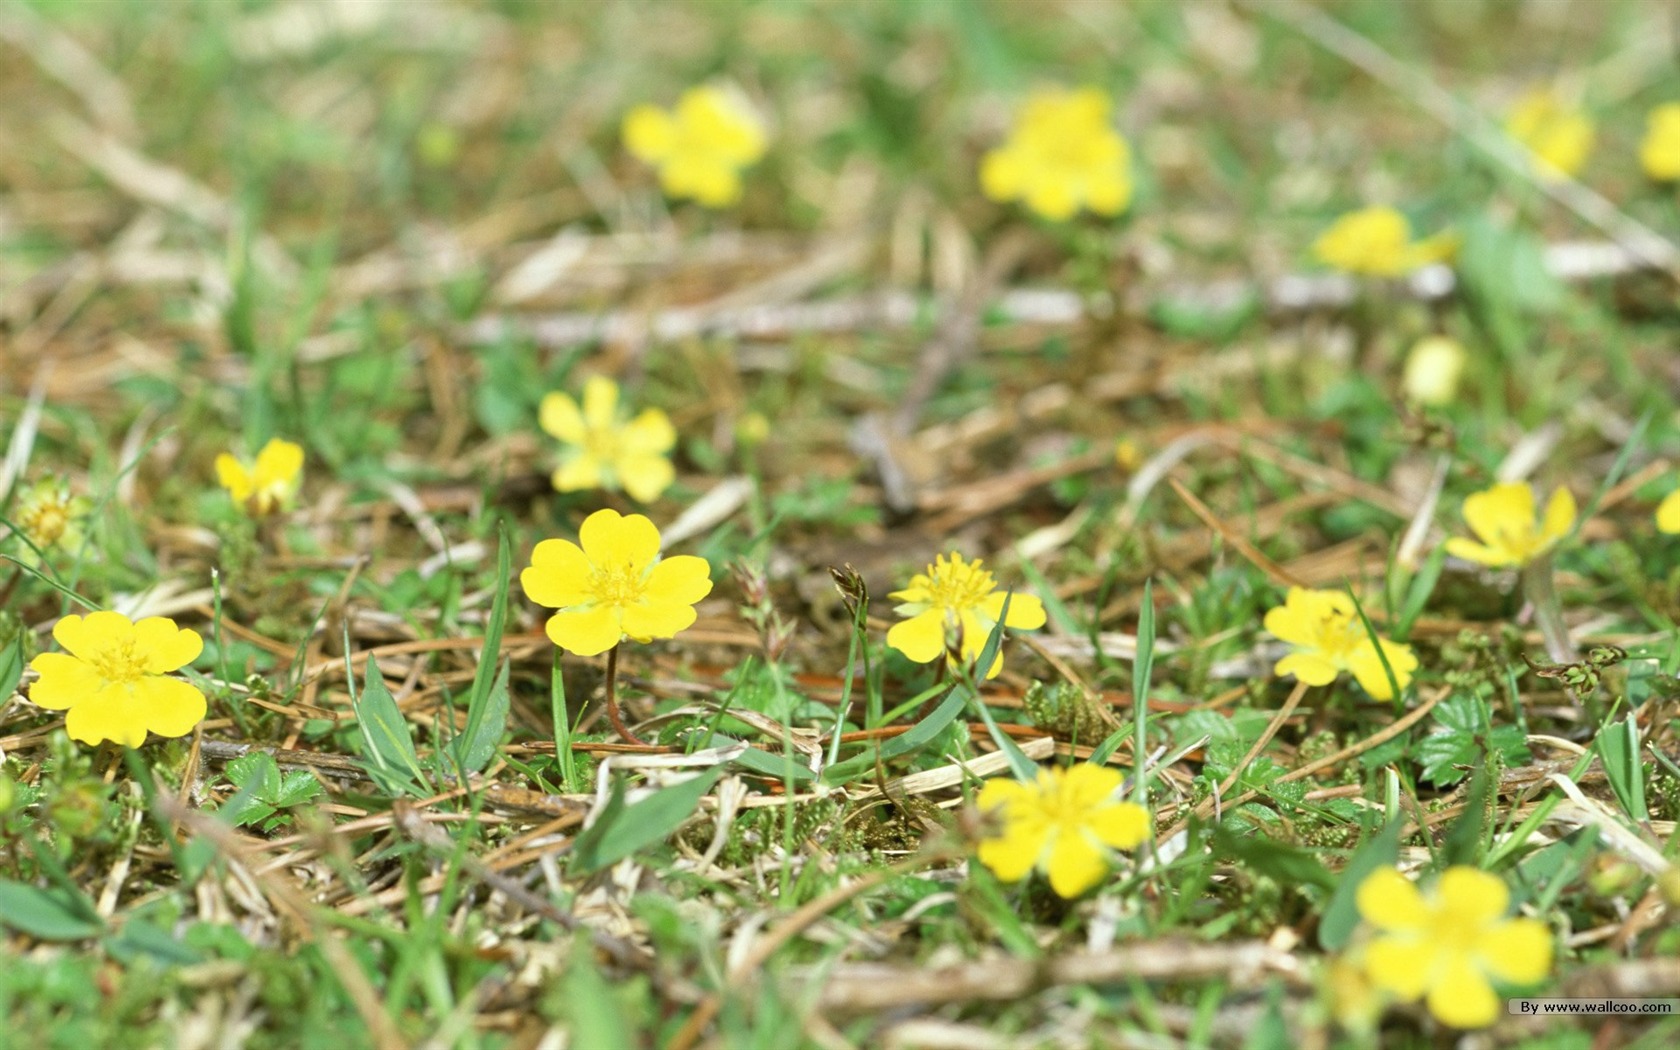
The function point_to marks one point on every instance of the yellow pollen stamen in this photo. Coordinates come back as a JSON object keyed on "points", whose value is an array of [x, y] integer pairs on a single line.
{"points": [[119, 664]]}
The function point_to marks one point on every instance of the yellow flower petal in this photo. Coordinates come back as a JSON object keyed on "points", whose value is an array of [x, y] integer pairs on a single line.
{"points": [[1518, 951], [168, 706], [278, 464], [1075, 864], [1390, 901], [1500, 510], [72, 635], [1001, 792], [615, 541], [1668, 513], [681, 579], [647, 621], [1559, 517], [600, 403], [649, 133], [1307, 667], [1461, 996], [644, 477], [1001, 176], [587, 631], [1400, 965], [578, 474], [1085, 786], [921, 638], [166, 647], [1470, 550], [649, 432], [1012, 856], [107, 714], [64, 681], [1122, 825], [232, 475], [1368, 671], [558, 576], [1026, 611], [1472, 897], [560, 416]]}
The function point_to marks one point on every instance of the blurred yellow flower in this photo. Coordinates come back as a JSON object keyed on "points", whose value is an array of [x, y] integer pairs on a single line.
{"points": [[1558, 136], [605, 450], [1502, 517], [1127, 455], [49, 517], [111, 678], [957, 595], [1446, 947], [752, 429], [615, 584], [1668, 513], [700, 146], [266, 486], [1433, 369], [1378, 241], [1065, 824], [1329, 638], [1659, 153], [1063, 154]]}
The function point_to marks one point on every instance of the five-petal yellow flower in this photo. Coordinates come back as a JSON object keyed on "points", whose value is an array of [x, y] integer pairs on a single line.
{"points": [[267, 485], [614, 585], [1064, 823], [1329, 638], [110, 678], [603, 449], [1445, 946], [50, 517], [1659, 152], [1062, 155], [1377, 241], [701, 146], [1502, 517], [1558, 136], [957, 595]]}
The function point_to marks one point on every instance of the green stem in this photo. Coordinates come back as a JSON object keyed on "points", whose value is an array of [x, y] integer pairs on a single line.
{"points": [[1548, 612]]}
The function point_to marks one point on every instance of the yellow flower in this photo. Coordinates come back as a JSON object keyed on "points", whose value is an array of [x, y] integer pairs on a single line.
{"points": [[1659, 154], [1063, 154], [615, 585], [1445, 946], [1502, 517], [700, 146], [960, 595], [1433, 369], [1558, 136], [752, 429], [1378, 241], [605, 450], [49, 517], [1668, 513], [267, 485], [1064, 824], [110, 678], [1329, 637]]}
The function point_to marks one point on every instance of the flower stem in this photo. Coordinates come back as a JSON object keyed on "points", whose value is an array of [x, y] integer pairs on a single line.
{"points": [[1548, 612], [613, 715]]}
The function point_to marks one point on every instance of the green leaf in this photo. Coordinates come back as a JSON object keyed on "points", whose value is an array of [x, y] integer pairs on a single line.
{"points": [[1462, 843], [388, 752], [1024, 768], [296, 788], [142, 937], [11, 668], [915, 738], [257, 777], [761, 761], [622, 829], [1341, 915], [48, 915], [1142, 668], [487, 708], [592, 1005], [1618, 748], [1287, 864]]}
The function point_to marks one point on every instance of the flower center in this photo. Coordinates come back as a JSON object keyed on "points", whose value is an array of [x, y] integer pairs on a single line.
{"points": [[602, 444], [617, 587], [956, 585], [118, 663], [1338, 634], [46, 524]]}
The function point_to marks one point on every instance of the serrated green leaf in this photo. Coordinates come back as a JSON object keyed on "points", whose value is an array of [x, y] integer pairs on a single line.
{"points": [[48, 915], [623, 829], [296, 788]]}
